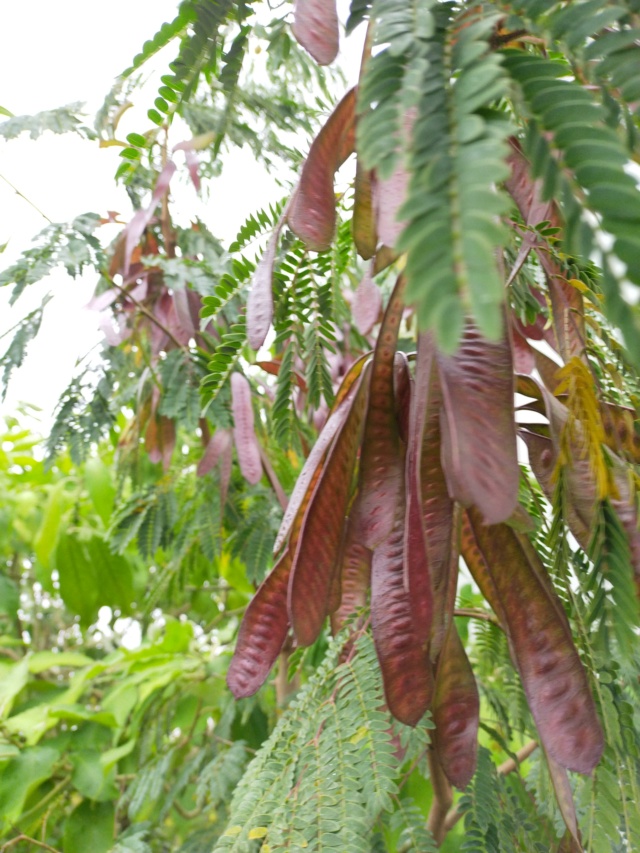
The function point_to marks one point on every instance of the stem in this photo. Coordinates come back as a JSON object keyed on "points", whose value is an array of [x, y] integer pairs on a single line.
{"points": [[284, 687], [475, 613], [53, 794], [273, 479], [35, 841], [144, 310], [442, 799], [37, 209]]}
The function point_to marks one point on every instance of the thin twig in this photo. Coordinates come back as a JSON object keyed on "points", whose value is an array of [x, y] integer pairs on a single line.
{"points": [[273, 479], [504, 769], [37, 209], [52, 795], [21, 837], [474, 613], [142, 308]]}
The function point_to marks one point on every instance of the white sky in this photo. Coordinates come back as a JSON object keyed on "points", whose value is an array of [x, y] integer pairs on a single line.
{"points": [[53, 54]]}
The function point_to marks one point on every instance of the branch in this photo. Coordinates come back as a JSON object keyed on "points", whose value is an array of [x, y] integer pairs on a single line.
{"points": [[44, 215], [475, 613], [21, 837], [504, 769], [144, 310]]}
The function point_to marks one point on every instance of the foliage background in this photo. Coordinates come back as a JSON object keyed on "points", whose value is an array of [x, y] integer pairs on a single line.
{"points": [[129, 555]]}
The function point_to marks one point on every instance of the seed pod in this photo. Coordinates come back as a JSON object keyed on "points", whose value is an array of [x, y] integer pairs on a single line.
{"points": [[437, 506], [308, 477], [315, 26], [404, 662], [356, 578], [243, 430], [312, 215], [417, 576], [319, 546], [552, 674], [381, 462], [478, 432], [262, 632], [456, 711]]}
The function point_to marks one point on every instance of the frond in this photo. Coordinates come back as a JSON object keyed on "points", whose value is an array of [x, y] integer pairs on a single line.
{"points": [[328, 769]]}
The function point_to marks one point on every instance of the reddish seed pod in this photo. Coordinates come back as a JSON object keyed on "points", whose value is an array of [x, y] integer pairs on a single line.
{"points": [[315, 26], [262, 632], [404, 661], [312, 215], [312, 586], [479, 455], [456, 711], [243, 429], [381, 458], [552, 674], [355, 577]]}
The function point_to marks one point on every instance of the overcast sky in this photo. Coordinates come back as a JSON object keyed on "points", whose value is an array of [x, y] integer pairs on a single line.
{"points": [[58, 53]]}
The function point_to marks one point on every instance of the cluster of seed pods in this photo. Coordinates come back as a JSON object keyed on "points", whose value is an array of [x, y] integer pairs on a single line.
{"points": [[413, 470]]}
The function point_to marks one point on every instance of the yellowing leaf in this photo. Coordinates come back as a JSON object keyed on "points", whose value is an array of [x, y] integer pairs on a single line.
{"points": [[579, 285], [233, 830], [257, 832], [360, 734]]}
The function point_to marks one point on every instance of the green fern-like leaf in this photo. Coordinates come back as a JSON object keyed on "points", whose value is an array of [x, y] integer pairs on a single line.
{"points": [[223, 361]]}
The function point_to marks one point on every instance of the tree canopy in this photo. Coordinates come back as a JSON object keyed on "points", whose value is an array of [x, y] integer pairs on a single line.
{"points": [[334, 544]]}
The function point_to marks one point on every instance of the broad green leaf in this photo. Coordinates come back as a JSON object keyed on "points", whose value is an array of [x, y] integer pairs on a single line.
{"points": [[20, 778], [42, 661], [89, 827], [9, 597], [100, 487], [90, 777], [47, 535], [79, 582], [13, 678]]}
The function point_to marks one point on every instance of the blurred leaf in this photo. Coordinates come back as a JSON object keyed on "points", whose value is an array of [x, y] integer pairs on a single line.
{"points": [[90, 827]]}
